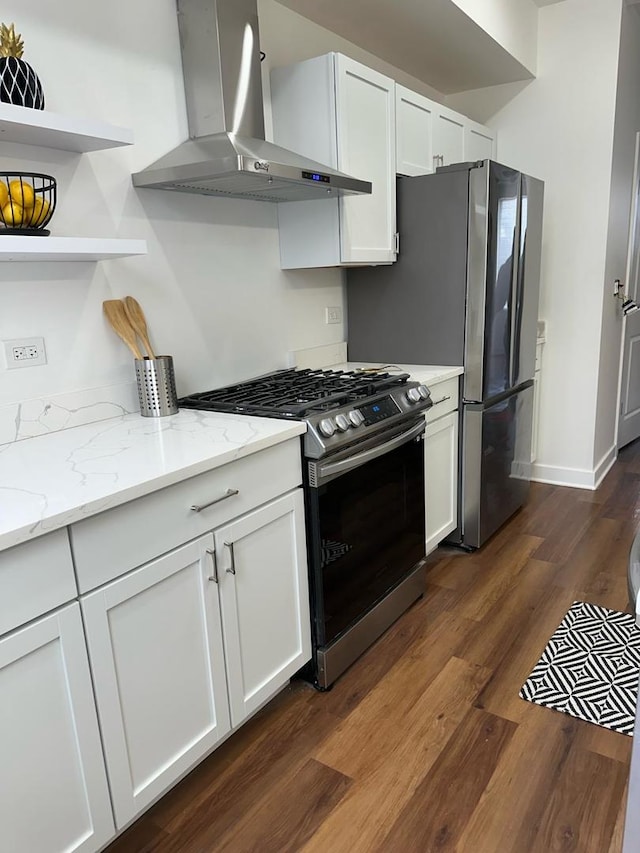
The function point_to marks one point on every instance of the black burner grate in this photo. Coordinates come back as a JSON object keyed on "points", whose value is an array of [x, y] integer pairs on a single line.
{"points": [[294, 393]]}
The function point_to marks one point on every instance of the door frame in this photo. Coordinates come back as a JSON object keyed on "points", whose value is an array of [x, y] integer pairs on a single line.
{"points": [[633, 216]]}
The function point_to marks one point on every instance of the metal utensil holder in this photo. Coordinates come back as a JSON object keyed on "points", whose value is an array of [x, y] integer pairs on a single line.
{"points": [[156, 386]]}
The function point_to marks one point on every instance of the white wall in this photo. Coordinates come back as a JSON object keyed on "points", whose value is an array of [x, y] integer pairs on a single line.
{"points": [[512, 23], [211, 285], [627, 123], [560, 128]]}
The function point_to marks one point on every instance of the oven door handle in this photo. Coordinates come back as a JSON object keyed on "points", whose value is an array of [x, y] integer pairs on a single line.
{"points": [[332, 469]]}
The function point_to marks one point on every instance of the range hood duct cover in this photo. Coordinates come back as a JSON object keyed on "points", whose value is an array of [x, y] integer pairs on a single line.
{"points": [[227, 154]]}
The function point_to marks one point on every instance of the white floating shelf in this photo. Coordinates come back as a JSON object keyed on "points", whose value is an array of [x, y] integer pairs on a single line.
{"points": [[16, 248], [52, 130]]}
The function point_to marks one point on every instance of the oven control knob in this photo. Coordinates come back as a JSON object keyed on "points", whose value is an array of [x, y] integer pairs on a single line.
{"points": [[413, 395], [424, 392], [342, 423], [355, 417], [326, 427]]}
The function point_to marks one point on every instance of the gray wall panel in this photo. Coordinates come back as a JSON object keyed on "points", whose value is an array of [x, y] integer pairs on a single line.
{"points": [[413, 310]]}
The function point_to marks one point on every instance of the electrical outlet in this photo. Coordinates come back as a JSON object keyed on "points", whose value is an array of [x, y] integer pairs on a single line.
{"points": [[24, 352], [333, 314]]}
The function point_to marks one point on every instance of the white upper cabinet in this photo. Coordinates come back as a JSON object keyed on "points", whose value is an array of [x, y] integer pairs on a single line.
{"points": [[414, 132], [338, 112], [479, 142], [448, 136], [429, 135]]}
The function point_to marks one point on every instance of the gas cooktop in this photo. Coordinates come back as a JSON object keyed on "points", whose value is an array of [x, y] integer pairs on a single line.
{"points": [[335, 403]]}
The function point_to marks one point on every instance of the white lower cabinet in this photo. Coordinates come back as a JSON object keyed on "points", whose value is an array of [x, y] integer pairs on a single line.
{"points": [[53, 781], [189, 645], [262, 565], [441, 462], [155, 644], [441, 478]]}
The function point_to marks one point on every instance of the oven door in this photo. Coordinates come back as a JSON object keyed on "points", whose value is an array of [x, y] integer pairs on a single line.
{"points": [[366, 518]]}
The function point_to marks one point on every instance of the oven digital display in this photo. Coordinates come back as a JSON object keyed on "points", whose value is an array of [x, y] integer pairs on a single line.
{"points": [[378, 411]]}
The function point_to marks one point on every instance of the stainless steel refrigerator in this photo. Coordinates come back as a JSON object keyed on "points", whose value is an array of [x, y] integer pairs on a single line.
{"points": [[464, 291]]}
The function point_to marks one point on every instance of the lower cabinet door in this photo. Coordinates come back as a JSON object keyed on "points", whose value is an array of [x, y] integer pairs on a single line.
{"points": [[441, 479], [52, 776], [265, 601], [155, 646]]}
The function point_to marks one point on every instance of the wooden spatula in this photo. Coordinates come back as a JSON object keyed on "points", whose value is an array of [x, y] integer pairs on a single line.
{"points": [[137, 319], [115, 313]]}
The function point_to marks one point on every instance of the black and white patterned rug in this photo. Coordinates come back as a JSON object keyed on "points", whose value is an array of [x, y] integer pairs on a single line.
{"points": [[590, 668]]}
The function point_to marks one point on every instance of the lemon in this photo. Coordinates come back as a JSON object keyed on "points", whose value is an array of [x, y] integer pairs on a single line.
{"points": [[39, 213], [12, 214], [22, 193], [4, 194]]}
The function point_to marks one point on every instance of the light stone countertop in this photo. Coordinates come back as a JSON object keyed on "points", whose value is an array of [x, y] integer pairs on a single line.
{"points": [[427, 374], [56, 479]]}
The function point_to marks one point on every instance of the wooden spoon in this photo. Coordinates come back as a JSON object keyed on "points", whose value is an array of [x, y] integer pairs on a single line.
{"points": [[115, 313], [137, 319]]}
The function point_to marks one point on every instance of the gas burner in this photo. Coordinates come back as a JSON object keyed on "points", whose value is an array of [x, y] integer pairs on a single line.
{"points": [[294, 393], [341, 407]]}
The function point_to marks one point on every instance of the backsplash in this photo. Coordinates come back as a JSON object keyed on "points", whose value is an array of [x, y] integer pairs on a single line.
{"points": [[30, 418]]}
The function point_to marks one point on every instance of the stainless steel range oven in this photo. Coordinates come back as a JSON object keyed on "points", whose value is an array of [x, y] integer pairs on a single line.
{"points": [[364, 497]]}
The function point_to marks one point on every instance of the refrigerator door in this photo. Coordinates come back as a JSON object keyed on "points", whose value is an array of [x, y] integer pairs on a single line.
{"points": [[496, 462], [493, 250], [527, 282]]}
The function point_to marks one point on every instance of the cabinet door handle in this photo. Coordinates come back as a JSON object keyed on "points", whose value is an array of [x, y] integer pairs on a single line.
{"points": [[228, 494], [442, 400], [232, 568], [214, 564]]}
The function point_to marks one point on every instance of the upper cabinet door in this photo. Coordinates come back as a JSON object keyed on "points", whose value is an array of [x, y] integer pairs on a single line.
{"points": [[479, 142], [336, 111], [448, 136], [414, 133], [365, 105]]}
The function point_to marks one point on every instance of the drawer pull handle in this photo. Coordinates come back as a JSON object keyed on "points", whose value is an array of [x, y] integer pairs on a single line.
{"points": [[443, 400], [228, 494], [232, 568], [214, 564]]}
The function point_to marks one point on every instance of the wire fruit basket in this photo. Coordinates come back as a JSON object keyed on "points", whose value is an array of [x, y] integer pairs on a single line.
{"points": [[27, 203]]}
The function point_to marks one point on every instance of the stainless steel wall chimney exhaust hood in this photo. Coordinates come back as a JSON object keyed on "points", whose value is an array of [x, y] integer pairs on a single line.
{"points": [[227, 153]]}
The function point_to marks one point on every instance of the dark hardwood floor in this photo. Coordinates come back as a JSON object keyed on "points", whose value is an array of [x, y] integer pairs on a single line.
{"points": [[424, 745]]}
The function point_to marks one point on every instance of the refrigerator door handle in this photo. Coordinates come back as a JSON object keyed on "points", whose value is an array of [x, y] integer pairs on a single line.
{"points": [[514, 312]]}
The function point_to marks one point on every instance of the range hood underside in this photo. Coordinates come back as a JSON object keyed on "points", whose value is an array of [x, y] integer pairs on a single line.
{"points": [[226, 165]]}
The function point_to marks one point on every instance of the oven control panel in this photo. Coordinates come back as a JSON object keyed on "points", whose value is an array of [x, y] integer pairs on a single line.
{"points": [[331, 431], [379, 411]]}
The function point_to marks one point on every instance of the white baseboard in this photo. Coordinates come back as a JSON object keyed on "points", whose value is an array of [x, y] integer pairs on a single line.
{"points": [[605, 464], [576, 478]]}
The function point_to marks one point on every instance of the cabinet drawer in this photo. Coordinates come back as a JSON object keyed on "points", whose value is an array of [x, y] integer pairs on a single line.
{"points": [[35, 577], [445, 398], [113, 542]]}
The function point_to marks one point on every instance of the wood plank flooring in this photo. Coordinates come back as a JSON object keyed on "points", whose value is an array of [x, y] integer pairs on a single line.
{"points": [[423, 745]]}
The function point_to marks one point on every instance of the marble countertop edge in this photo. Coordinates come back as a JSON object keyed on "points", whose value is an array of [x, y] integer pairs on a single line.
{"points": [[54, 480]]}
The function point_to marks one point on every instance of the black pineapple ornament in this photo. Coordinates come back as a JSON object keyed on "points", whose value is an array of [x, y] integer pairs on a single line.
{"points": [[19, 83]]}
